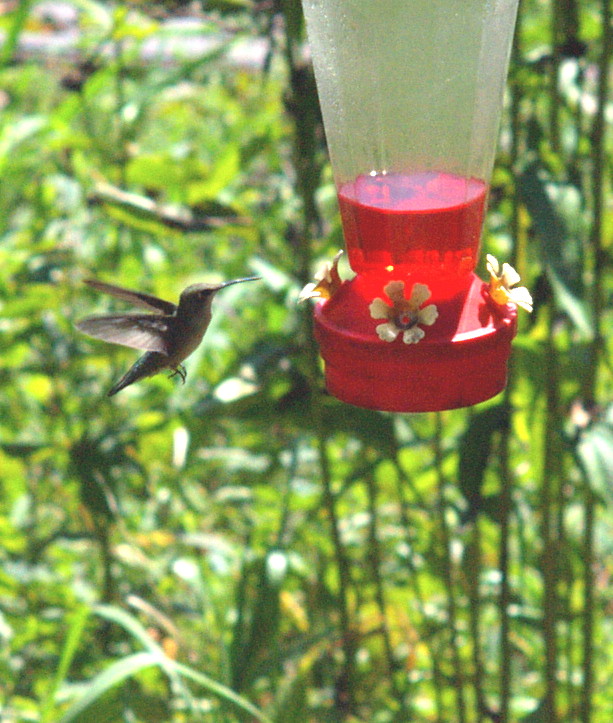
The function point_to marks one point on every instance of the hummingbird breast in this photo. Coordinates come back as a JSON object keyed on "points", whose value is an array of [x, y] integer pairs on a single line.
{"points": [[188, 333]]}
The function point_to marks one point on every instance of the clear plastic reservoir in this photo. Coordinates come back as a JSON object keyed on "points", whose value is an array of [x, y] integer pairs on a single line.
{"points": [[411, 92]]}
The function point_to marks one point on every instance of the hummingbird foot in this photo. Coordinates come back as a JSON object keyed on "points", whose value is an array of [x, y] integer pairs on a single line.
{"points": [[180, 371]]}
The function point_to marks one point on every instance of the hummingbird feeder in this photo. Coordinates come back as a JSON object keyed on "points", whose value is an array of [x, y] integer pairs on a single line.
{"points": [[411, 93]]}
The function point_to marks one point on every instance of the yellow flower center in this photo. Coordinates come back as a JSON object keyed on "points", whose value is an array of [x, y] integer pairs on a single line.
{"points": [[499, 293]]}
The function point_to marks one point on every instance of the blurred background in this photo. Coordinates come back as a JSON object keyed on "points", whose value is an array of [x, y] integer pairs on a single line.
{"points": [[244, 547]]}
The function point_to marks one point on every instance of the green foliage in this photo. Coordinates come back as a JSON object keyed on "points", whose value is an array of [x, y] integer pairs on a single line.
{"points": [[244, 547]]}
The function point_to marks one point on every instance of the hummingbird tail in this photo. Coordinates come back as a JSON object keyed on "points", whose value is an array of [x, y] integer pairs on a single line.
{"points": [[128, 378], [150, 363]]}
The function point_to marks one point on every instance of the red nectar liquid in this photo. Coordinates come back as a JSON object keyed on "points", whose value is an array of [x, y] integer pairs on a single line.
{"points": [[426, 224]]}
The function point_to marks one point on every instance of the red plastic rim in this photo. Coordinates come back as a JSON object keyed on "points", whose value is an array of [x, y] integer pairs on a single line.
{"points": [[462, 360]]}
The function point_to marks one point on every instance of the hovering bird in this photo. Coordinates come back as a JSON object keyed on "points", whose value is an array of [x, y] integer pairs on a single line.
{"points": [[168, 336]]}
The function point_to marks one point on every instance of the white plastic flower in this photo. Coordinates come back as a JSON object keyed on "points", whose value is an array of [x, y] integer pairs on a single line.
{"points": [[327, 282], [405, 315], [501, 283]]}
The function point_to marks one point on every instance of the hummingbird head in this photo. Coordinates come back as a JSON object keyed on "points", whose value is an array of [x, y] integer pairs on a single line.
{"points": [[198, 296]]}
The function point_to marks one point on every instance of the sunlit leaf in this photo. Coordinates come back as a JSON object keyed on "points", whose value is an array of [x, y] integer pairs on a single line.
{"points": [[595, 450], [475, 450], [561, 252]]}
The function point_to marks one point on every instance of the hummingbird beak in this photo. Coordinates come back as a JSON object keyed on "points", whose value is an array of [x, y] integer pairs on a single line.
{"points": [[240, 281]]}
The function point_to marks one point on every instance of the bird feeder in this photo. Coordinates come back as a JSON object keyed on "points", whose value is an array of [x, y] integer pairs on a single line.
{"points": [[411, 93]]}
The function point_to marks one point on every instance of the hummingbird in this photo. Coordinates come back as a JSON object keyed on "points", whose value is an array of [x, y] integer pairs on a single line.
{"points": [[168, 336]]}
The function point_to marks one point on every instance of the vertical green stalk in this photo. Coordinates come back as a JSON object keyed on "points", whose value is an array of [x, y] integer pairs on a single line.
{"points": [[448, 573], [122, 131], [571, 646], [549, 497], [597, 302], [345, 685], [402, 481], [120, 102], [571, 31], [598, 253], [9, 46], [554, 71], [506, 501], [374, 558], [473, 575], [587, 692], [564, 588]]}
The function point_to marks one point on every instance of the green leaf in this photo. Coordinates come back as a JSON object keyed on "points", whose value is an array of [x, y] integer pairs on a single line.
{"points": [[537, 716], [258, 624], [21, 449], [595, 453], [373, 428], [140, 212], [9, 46], [115, 674], [130, 624], [561, 251], [170, 666], [212, 686], [229, 6], [68, 653], [13, 135], [293, 702], [475, 448], [225, 170]]}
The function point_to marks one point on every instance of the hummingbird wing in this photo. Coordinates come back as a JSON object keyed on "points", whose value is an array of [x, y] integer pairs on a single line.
{"points": [[148, 332], [134, 297]]}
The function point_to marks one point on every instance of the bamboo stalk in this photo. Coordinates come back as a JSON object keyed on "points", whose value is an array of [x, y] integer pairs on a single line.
{"points": [[448, 572], [474, 569], [402, 481], [598, 254], [597, 302], [554, 71], [374, 558], [506, 483], [345, 686], [549, 497], [586, 704]]}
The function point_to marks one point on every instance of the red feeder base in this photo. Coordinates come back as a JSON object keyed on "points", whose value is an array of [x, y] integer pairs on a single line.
{"points": [[462, 360]]}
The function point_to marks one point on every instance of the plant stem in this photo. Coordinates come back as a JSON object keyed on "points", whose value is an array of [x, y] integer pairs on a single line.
{"points": [[549, 497], [598, 253], [345, 687], [588, 609], [598, 266], [506, 502], [11, 42], [437, 675], [374, 556], [473, 574], [448, 574], [554, 89]]}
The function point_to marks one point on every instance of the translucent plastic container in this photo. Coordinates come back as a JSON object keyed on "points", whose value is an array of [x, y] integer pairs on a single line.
{"points": [[411, 93]]}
